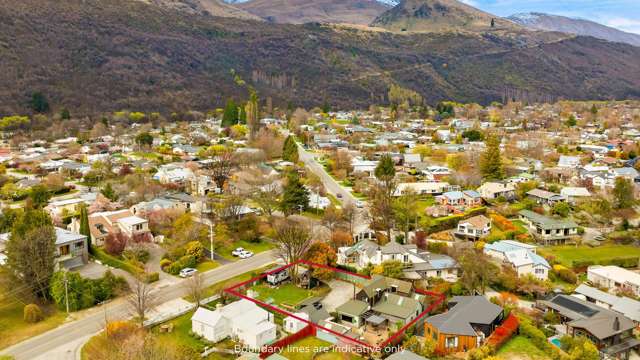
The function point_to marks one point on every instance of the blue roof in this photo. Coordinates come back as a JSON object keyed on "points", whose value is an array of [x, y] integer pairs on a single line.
{"points": [[454, 195], [471, 193]]}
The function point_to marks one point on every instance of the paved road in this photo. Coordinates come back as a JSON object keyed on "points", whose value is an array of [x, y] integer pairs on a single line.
{"points": [[93, 320], [333, 187]]}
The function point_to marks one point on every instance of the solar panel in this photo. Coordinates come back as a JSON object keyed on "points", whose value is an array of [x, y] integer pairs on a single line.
{"points": [[574, 306]]}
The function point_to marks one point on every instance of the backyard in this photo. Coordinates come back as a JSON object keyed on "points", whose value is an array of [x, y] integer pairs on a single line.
{"points": [[568, 255], [521, 348], [287, 295]]}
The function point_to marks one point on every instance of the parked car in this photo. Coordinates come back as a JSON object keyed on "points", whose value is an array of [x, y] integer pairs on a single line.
{"points": [[359, 204], [187, 272], [246, 255], [238, 251], [339, 196]]}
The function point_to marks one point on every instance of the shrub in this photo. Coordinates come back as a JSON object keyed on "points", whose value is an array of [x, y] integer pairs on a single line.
{"points": [[164, 263], [32, 314], [151, 277], [567, 275], [195, 249], [184, 262], [115, 243]]}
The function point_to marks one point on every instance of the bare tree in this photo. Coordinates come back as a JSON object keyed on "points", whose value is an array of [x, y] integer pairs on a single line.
{"points": [[220, 168], [332, 217], [195, 287], [227, 209], [292, 240], [141, 300], [349, 216]]}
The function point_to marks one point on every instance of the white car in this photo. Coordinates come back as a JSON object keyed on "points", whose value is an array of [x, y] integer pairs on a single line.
{"points": [[187, 272], [238, 251], [359, 204], [246, 255]]}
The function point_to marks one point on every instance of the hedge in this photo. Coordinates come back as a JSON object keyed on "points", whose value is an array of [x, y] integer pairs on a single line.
{"points": [[625, 262], [453, 220], [112, 261]]}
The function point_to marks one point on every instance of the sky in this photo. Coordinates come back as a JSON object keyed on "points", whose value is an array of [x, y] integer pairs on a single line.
{"points": [[621, 14]]}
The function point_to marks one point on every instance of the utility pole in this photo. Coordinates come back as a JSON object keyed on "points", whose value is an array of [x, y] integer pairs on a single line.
{"points": [[66, 291], [211, 238]]}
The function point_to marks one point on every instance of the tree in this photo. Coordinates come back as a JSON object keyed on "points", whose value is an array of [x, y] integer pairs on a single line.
{"points": [[623, 193], [292, 240], [195, 288], [32, 314], [108, 192], [31, 251], [331, 218], [571, 121], [141, 300], [561, 209], [295, 196], [230, 114], [144, 139], [220, 168], [425, 349], [39, 103], [381, 211], [473, 135], [477, 271], [349, 216], [386, 171], [491, 161], [266, 199], [65, 114], [253, 114], [84, 225], [406, 211], [39, 196], [290, 150], [115, 243], [323, 254]]}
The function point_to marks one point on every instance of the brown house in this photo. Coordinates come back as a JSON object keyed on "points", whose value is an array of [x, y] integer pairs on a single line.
{"points": [[465, 326]]}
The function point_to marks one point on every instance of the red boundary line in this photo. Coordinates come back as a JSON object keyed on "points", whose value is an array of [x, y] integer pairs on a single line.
{"points": [[232, 290]]}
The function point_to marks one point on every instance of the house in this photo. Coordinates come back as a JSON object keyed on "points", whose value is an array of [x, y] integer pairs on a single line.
{"points": [[242, 320], [101, 224], [72, 249], [293, 325], [574, 194], [494, 190], [160, 203], [569, 161], [460, 199], [318, 202], [424, 188], [620, 304], [364, 166], [474, 228], [549, 230], [614, 278], [173, 174], [544, 197], [61, 208], [405, 355], [381, 301], [465, 326], [521, 257], [611, 332], [417, 264]]}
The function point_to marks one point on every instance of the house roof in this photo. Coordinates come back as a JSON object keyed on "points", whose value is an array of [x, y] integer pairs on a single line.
{"points": [[65, 236], [406, 355], [546, 222], [624, 305], [467, 310], [398, 306], [478, 222], [353, 307]]}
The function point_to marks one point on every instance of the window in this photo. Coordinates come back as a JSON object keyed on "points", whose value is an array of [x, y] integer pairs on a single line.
{"points": [[406, 258], [451, 342], [79, 245]]}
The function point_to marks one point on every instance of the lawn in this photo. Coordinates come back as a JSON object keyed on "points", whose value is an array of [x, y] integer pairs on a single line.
{"points": [[206, 266], [519, 347], [217, 287], [287, 294], [567, 255], [13, 328], [254, 247]]}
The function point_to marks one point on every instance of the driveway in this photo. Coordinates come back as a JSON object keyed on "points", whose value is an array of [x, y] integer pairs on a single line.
{"points": [[521, 303], [341, 292]]}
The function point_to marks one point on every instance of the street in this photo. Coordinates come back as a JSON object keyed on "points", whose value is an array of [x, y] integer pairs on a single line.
{"points": [[92, 321]]}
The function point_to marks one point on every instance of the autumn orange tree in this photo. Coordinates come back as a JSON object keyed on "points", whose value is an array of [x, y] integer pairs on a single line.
{"points": [[323, 254]]}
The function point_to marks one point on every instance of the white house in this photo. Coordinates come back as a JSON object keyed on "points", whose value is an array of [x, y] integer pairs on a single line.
{"points": [[474, 227], [173, 173], [522, 257], [318, 202], [364, 166], [242, 320], [494, 190], [614, 278], [423, 188], [293, 325]]}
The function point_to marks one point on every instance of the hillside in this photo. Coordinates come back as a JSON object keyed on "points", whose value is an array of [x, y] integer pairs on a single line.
{"points": [[437, 16], [108, 55], [546, 22], [360, 12], [203, 7]]}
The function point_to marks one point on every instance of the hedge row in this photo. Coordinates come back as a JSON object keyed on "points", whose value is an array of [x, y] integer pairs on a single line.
{"points": [[453, 220], [625, 262], [124, 265]]}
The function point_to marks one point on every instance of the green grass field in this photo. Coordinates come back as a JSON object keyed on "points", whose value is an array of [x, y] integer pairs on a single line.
{"points": [[566, 255], [519, 347], [207, 265], [13, 328], [255, 247], [305, 349], [287, 294]]}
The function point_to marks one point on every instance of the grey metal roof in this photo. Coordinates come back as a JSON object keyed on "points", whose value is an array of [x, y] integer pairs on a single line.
{"points": [[466, 311], [406, 355]]}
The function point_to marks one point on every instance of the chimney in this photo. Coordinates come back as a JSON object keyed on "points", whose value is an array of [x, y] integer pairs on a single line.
{"points": [[616, 324]]}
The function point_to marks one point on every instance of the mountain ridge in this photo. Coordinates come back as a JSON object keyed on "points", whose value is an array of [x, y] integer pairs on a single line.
{"points": [[109, 55], [584, 27]]}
